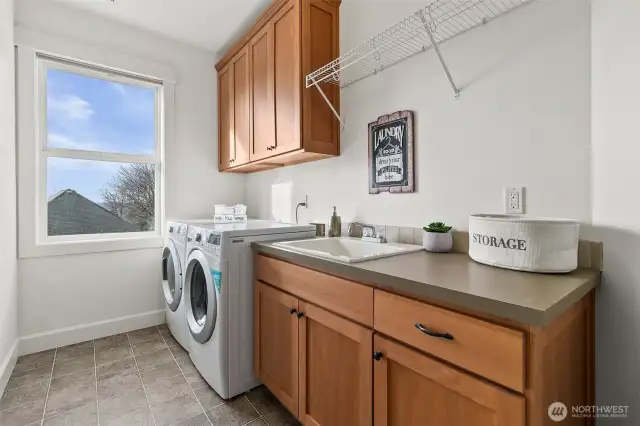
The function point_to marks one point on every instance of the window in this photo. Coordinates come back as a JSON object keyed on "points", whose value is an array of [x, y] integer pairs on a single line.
{"points": [[99, 151], [96, 160]]}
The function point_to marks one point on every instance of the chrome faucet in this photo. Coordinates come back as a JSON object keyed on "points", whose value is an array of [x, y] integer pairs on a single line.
{"points": [[369, 232]]}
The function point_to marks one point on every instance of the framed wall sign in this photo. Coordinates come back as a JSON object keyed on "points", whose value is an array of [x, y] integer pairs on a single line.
{"points": [[391, 153]]}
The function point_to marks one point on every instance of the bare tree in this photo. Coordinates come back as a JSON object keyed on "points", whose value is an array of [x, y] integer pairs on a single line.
{"points": [[131, 195]]}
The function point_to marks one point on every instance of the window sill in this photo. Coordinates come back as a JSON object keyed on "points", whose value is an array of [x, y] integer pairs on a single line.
{"points": [[89, 246]]}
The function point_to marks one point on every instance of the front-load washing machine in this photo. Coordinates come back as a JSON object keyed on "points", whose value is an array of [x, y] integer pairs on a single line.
{"points": [[173, 263], [219, 294]]}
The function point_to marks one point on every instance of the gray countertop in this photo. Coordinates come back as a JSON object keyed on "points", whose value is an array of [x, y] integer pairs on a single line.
{"points": [[455, 279]]}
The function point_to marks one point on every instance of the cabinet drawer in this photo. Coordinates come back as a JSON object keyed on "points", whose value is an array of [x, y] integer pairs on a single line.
{"points": [[346, 298], [490, 350]]}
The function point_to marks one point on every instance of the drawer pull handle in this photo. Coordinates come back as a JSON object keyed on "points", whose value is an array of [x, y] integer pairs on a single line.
{"points": [[300, 314], [292, 311], [378, 356], [433, 333]]}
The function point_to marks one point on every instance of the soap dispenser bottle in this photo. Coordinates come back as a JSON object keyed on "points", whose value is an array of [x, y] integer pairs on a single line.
{"points": [[335, 227]]}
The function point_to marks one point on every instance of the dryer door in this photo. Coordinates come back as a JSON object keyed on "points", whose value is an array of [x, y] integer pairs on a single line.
{"points": [[202, 300], [171, 276]]}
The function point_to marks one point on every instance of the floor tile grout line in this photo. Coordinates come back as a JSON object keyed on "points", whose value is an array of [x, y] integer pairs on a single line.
{"points": [[146, 397], [252, 406], [95, 373], [46, 399], [19, 405], [185, 379]]}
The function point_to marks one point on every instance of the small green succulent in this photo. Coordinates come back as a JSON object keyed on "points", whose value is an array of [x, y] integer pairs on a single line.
{"points": [[438, 227]]}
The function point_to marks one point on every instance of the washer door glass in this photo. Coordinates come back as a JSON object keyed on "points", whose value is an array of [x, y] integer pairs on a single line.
{"points": [[201, 297], [171, 277], [199, 294]]}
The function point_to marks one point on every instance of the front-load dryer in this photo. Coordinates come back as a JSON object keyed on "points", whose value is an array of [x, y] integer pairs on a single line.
{"points": [[219, 294], [173, 263]]}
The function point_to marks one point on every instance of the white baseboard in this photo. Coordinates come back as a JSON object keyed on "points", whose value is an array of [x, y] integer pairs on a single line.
{"points": [[82, 333], [8, 363]]}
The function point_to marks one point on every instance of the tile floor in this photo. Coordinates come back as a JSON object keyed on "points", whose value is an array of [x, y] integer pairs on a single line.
{"points": [[133, 379]]}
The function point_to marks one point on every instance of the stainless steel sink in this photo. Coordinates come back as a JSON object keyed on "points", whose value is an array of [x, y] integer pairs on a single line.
{"points": [[349, 250]]}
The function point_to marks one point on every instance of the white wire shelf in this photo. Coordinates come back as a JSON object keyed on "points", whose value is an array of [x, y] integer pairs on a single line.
{"points": [[439, 21]]}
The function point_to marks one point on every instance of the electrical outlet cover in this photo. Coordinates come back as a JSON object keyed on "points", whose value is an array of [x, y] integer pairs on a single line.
{"points": [[514, 200]]}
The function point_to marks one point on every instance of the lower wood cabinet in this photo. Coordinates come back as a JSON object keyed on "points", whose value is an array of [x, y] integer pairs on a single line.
{"points": [[414, 389], [317, 364], [335, 369], [338, 353], [275, 343], [321, 367]]}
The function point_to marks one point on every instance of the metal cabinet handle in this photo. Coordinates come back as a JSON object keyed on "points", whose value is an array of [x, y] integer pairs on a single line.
{"points": [[300, 314], [378, 356], [293, 311], [433, 333]]}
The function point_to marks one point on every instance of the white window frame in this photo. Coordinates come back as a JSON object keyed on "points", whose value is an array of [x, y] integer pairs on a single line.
{"points": [[33, 151]]}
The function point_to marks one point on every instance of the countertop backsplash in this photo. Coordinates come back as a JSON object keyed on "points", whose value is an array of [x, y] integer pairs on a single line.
{"points": [[590, 253]]}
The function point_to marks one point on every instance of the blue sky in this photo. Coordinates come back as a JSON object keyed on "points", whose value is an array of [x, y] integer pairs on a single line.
{"points": [[92, 114]]}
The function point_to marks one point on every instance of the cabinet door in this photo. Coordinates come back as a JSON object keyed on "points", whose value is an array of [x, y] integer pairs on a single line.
{"points": [[412, 389], [321, 45], [226, 139], [275, 341], [263, 137], [335, 370], [287, 77], [241, 109]]}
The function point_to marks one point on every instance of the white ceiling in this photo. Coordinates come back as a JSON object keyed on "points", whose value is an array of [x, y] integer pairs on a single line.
{"points": [[210, 24]]}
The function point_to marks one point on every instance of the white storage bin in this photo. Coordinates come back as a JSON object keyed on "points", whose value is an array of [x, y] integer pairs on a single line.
{"points": [[524, 243]]}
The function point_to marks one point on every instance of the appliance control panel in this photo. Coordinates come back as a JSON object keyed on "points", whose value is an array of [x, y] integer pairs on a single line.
{"points": [[214, 243], [213, 238]]}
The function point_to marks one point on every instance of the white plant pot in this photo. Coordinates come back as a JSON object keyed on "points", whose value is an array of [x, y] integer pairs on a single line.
{"points": [[437, 242]]}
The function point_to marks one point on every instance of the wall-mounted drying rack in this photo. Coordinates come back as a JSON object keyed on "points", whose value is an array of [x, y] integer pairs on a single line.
{"points": [[439, 21]]}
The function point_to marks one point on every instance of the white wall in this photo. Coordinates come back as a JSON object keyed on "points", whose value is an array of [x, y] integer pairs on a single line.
{"points": [[70, 291], [523, 118], [616, 108], [8, 289]]}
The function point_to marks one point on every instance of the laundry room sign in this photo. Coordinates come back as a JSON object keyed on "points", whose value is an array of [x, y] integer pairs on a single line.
{"points": [[391, 167]]}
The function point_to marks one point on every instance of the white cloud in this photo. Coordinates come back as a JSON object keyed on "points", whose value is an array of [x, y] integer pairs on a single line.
{"points": [[72, 106]]}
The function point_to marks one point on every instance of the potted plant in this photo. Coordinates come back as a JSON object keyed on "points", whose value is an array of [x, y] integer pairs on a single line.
{"points": [[437, 237]]}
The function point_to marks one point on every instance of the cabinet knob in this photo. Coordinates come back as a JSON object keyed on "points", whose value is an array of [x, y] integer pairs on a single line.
{"points": [[292, 311], [432, 333], [378, 356], [300, 314]]}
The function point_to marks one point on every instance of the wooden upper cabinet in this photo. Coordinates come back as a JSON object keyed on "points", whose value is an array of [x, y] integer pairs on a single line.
{"points": [[286, 30], [321, 44], [412, 389], [233, 105], [286, 122], [225, 118], [275, 343], [241, 114], [263, 129], [335, 370]]}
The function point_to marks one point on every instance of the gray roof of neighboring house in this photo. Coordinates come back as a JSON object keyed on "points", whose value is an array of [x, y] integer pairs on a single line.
{"points": [[70, 213]]}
